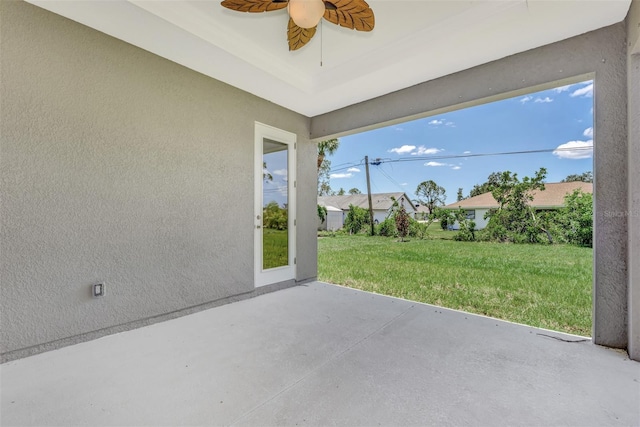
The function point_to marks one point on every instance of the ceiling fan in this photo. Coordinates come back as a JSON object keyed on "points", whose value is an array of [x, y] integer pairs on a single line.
{"points": [[304, 15]]}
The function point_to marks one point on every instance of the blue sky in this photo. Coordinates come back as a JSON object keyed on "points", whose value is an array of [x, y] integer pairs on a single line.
{"points": [[424, 149]]}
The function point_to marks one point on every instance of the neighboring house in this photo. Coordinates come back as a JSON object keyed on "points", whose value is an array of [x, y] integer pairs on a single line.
{"points": [[422, 212], [381, 203], [334, 220], [552, 197]]}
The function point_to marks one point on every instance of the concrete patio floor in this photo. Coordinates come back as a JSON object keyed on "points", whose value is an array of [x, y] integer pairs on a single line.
{"points": [[320, 354]]}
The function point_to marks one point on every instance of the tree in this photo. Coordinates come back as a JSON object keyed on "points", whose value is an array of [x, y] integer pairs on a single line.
{"points": [[325, 148], [460, 195], [576, 218], [430, 195], [274, 216], [584, 177], [354, 191], [402, 222], [324, 189], [266, 175], [489, 185], [322, 213], [515, 220], [446, 217], [356, 219], [341, 192], [467, 226]]}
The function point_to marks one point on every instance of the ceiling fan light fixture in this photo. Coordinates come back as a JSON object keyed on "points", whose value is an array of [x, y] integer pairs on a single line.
{"points": [[306, 13]]}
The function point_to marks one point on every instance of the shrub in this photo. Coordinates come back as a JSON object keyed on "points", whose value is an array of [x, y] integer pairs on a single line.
{"points": [[274, 217], [402, 222], [467, 227], [418, 229], [576, 218], [467, 231], [387, 228], [322, 213], [356, 219], [446, 217]]}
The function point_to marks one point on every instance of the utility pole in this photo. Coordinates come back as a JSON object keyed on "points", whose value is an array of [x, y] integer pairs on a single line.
{"points": [[366, 164]]}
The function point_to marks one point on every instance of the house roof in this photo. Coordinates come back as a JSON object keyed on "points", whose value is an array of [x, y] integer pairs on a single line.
{"points": [[380, 201], [413, 41], [422, 209], [333, 209], [552, 196]]}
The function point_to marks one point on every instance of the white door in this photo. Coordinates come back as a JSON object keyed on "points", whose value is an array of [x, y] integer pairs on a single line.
{"points": [[275, 201]]}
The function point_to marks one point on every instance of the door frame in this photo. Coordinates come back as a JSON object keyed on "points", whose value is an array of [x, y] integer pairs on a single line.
{"points": [[279, 274]]}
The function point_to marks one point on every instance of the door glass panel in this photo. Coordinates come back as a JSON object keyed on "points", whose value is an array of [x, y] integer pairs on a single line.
{"points": [[275, 205]]}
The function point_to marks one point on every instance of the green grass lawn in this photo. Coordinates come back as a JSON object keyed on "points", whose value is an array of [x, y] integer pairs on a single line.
{"points": [[275, 248], [548, 286]]}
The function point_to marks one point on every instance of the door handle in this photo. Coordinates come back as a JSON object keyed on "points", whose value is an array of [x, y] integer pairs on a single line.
{"points": [[257, 226]]}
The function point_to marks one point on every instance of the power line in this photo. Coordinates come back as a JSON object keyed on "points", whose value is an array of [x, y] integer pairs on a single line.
{"points": [[504, 153], [391, 180], [348, 166], [379, 161]]}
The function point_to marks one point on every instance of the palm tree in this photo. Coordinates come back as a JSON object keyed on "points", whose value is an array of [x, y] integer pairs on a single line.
{"points": [[326, 148]]}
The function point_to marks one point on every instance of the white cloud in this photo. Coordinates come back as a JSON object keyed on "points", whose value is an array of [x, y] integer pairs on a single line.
{"points": [[280, 172], [398, 128], [526, 99], [586, 92], [543, 100], [588, 132], [404, 184], [340, 175], [455, 168], [467, 152], [562, 89], [353, 170], [422, 150], [403, 150], [435, 164], [575, 150], [442, 121], [588, 86]]}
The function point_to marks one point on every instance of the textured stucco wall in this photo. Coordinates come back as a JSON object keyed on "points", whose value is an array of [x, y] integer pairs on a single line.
{"points": [[121, 167], [633, 105], [601, 54]]}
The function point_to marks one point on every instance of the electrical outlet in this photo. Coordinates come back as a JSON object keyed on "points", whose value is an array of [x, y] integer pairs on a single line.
{"points": [[98, 290]]}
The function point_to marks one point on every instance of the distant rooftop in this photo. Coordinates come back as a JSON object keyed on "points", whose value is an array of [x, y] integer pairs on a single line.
{"points": [[380, 201], [552, 196]]}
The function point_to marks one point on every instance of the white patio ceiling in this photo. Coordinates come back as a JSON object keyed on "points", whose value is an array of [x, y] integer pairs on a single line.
{"points": [[413, 41]]}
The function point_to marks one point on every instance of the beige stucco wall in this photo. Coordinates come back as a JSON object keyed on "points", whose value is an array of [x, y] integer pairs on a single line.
{"points": [[121, 167], [633, 105], [601, 55]]}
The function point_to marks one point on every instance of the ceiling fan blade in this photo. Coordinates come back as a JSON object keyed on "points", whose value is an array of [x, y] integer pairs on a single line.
{"points": [[354, 14], [254, 6], [297, 36]]}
